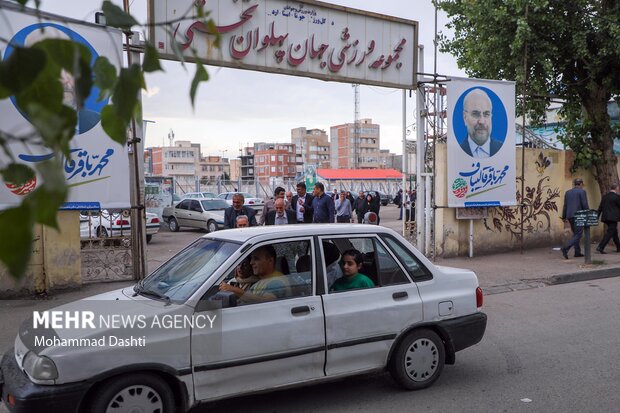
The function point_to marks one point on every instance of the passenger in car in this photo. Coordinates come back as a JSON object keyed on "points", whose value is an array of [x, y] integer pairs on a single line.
{"points": [[272, 284], [244, 277], [352, 279]]}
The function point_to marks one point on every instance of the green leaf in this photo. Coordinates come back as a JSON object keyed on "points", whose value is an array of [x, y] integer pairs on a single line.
{"points": [[151, 59], [65, 53], [45, 204], [46, 90], [116, 17], [114, 125], [17, 173], [20, 70], [83, 83], [105, 76], [200, 76], [55, 127], [130, 81], [16, 239]]}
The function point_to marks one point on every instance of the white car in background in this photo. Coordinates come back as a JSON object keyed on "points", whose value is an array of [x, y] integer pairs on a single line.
{"points": [[194, 195], [249, 200], [203, 213], [104, 224]]}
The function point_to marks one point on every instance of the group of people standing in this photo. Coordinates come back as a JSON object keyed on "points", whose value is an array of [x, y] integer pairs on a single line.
{"points": [[406, 202], [302, 208], [576, 199]]}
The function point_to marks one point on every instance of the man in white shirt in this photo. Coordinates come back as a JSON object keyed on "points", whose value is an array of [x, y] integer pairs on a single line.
{"points": [[478, 118]]}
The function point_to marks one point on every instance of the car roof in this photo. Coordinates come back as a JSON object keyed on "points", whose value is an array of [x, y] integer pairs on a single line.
{"points": [[257, 234]]}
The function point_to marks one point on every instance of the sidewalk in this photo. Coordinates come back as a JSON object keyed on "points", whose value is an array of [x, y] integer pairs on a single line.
{"points": [[512, 271]]}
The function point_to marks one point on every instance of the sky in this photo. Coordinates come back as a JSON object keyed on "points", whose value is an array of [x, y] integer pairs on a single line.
{"points": [[239, 107]]}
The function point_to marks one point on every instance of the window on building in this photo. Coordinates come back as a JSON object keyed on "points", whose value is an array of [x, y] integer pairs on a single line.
{"points": [[273, 158], [280, 158]]}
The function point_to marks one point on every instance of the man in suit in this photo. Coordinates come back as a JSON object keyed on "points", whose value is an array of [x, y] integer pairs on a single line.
{"points": [[575, 200], [609, 211], [478, 118], [237, 209], [302, 205], [281, 215]]}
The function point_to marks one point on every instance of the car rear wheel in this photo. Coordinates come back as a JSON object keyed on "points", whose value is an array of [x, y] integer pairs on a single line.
{"points": [[173, 224], [149, 237], [211, 226], [418, 360], [133, 393]]}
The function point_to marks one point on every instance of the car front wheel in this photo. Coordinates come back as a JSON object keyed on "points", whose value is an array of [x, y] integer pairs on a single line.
{"points": [[173, 225], [133, 393], [418, 360]]}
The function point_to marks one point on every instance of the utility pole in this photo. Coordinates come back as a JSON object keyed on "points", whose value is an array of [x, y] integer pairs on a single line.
{"points": [[356, 128]]}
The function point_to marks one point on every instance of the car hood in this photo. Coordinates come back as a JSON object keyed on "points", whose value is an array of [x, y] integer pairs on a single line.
{"points": [[125, 330]]}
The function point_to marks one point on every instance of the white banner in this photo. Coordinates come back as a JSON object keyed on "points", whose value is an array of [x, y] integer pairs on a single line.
{"points": [[97, 172], [309, 38], [481, 143]]}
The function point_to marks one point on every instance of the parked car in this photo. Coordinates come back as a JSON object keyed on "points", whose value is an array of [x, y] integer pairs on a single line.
{"points": [[412, 322], [385, 198], [195, 195], [204, 213], [108, 223], [249, 200]]}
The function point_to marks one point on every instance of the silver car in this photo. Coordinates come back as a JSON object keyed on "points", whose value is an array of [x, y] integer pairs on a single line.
{"points": [[204, 213], [185, 335]]}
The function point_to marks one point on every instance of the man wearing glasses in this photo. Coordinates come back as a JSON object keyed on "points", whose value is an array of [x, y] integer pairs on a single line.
{"points": [[478, 117]]}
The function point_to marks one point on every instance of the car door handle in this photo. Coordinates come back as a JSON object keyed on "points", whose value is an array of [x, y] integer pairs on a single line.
{"points": [[400, 294], [300, 310]]}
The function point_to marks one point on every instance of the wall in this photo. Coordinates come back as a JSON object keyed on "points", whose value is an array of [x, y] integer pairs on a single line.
{"points": [[547, 177], [55, 262]]}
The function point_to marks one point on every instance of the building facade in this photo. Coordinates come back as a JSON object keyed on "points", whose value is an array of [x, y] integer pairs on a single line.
{"points": [[351, 152], [312, 148], [274, 161]]}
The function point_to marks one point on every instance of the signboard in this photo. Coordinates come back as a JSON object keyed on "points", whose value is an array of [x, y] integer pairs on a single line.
{"points": [[471, 213], [481, 143], [98, 169], [586, 218], [310, 175], [303, 38]]}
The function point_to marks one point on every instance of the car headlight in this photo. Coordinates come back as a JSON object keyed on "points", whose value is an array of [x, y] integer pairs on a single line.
{"points": [[40, 367]]}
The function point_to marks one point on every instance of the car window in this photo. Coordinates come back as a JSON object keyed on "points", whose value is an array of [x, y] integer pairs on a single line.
{"points": [[333, 251], [258, 277], [222, 196], [388, 270], [415, 269], [195, 206], [183, 204], [208, 195], [214, 204], [184, 273]]}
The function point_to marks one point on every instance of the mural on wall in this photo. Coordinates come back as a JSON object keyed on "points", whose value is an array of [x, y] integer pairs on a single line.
{"points": [[539, 202]]}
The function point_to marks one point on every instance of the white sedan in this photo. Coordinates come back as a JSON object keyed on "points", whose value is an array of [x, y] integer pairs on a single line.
{"points": [[249, 200], [104, 224], [185, 334]]}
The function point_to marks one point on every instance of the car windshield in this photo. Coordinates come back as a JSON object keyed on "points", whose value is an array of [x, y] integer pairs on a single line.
{"points": [[209, 195], [214, 204], [184, 273]]}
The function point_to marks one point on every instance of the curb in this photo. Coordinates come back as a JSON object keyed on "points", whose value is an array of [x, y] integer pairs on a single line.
{"points": [[583, 276]]}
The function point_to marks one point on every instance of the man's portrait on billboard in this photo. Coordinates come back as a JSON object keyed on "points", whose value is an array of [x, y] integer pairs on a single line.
{"points": [[480, 122]]}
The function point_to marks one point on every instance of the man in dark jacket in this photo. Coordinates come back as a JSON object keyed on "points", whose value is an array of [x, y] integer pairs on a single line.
{"points": [[359, 206], [609, 211], [575, 200], [281, 215], [237, 209], [302, 204]]}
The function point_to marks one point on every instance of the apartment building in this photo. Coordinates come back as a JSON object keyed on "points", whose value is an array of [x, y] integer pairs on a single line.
{"points": [[349, 152], [311, 147], [274, 160]]}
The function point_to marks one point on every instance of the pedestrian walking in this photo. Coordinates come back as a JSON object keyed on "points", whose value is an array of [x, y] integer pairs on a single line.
{"points": [[343, 208], [302, 204], [270, 204], [609, 211], [322, 205], [358, 207], [575, 199], [398, 200]]}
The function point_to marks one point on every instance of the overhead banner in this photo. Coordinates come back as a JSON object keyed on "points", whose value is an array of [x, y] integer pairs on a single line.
{"points": [[302, 38], [481, 143], [97, 172]]}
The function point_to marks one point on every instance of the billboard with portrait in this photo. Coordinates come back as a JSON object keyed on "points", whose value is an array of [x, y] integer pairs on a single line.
{"points": [[481, 143], [97, 170]]}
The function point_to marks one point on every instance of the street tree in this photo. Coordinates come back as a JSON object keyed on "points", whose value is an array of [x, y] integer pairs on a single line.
{"points": [[570, 50], [32, 77]]}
